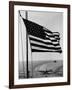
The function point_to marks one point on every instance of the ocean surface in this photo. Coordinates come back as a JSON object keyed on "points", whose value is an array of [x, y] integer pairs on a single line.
{"points": [[38, 69]]}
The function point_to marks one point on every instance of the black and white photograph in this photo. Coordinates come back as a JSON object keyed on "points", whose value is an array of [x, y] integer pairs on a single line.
{"points": [[41, 34], [39, 44]]}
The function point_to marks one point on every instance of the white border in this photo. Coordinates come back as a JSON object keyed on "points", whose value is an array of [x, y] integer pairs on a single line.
{"points": [[39, 80]]}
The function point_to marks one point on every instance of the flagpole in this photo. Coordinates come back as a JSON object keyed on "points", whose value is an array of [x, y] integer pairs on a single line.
{"points": [[27, 51], [26, 15]]}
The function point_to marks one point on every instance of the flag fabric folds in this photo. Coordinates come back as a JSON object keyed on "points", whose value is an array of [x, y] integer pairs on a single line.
{"points": [[42, 39]]}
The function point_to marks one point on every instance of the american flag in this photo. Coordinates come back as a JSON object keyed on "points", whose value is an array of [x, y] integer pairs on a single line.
{"points": [[42, 39]]}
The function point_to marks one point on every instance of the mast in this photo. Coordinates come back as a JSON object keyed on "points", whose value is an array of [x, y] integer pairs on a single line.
{"points": [[26, 16], [28, 73]]}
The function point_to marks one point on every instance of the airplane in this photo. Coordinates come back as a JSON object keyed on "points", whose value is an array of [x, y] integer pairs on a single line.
{"points": [[47, 72]]}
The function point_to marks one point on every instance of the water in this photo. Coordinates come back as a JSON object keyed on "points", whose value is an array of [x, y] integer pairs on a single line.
{"points": [[38, 69]]}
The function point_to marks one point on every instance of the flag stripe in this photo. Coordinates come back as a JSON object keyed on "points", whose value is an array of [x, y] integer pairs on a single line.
{"points": [[43, 44], [40, 48], [52, 39], [52, 34], [57, 38], [47, 30], [46, 41], [37, 50], [54, 48], [56, 33], [37, 38]]}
